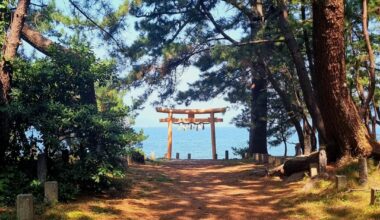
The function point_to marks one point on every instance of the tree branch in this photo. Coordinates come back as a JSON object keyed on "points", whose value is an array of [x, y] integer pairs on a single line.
{"points": [[217, 27], [92, 21], [371, 56]]}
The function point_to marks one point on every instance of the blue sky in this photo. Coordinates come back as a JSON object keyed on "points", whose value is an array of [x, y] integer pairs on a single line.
{"points": [[148, 117]]}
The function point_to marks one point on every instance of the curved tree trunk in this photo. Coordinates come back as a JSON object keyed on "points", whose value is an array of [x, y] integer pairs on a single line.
{"points": [[301, 70], [291, 108], [8, 54], [340, 115]]}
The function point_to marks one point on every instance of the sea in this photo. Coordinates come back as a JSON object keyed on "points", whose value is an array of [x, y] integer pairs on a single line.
{"points": [[198, 142]]}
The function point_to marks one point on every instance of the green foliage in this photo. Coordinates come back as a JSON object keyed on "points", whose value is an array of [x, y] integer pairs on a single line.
{"points": [[137, 155], [4, 20], [240, 151], [52, 97], [13, 181]]}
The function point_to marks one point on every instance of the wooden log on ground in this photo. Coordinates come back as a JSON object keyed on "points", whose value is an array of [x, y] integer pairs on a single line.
{"points": [[277, 171], [299, 164]]}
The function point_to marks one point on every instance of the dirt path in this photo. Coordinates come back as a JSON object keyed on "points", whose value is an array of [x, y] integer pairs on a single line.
{"points": [[195, 190], [204, 190]]}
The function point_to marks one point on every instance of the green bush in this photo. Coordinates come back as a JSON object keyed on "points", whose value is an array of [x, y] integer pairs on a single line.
{"points": [[75, 103], [14, 182], [137, 155], [239, 151]]}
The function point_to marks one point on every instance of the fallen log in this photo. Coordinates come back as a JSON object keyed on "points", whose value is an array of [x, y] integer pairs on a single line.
{"points": [[300, 163], [277, 171]]}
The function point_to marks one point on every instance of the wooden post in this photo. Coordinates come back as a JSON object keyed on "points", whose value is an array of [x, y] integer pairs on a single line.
{"points": [[226, 155], [169, 154], [313, 169], [277, 161], [189, 156], [41, 167], [265, 158], [25, 210], [261, 158], [177, 156], [51, 192], [322, 157], [363, 171], [213, 142], [271, 160], [375, 196], [256, 157], [340, 182]]}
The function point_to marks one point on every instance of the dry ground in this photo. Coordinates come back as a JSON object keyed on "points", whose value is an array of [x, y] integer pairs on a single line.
{"points": [[187, 190], [221, 190]]}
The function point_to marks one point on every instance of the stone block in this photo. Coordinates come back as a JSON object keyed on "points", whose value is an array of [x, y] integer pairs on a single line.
{"points": [[313, 169], [340, 182], [51, 191], [375, 196], [25, 209]]}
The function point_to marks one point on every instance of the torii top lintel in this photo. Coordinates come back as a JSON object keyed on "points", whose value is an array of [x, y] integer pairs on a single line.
{"points": [[191, 111]]}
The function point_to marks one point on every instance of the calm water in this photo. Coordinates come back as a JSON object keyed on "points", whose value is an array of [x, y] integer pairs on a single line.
{"points": [[198, 143]]}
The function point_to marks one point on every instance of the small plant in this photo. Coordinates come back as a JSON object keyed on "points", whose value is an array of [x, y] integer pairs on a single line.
{"points": [[137, 155], [240, 151]]}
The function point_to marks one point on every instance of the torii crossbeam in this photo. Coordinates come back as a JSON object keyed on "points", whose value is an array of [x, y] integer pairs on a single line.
{"points": [[191, 120]]}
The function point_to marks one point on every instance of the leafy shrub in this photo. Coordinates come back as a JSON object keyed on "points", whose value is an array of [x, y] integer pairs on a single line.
{"points": [[14, 182], [74, 102], [137, 155], [240, 151]]}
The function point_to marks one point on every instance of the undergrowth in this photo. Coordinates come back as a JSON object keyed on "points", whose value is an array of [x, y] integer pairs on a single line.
{"points": [[323, 201]]}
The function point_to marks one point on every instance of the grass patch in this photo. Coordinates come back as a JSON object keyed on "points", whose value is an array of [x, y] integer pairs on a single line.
{"points": [[322, 201], [105, 210]]}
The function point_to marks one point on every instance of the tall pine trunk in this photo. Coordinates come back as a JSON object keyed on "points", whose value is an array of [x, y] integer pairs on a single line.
{"points": [[340, 115], [259, 111]]}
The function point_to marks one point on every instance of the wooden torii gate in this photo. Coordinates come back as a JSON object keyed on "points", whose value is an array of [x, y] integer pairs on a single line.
{"points": [[191, 120]]}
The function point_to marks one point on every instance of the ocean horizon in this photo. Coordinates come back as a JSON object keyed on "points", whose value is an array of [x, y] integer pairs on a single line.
{"points": [[198, 143]]}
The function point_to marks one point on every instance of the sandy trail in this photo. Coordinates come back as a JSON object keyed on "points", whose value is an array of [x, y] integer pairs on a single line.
{"points": [[200, 190]]}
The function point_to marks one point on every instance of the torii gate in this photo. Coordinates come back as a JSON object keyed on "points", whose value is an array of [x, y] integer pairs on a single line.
{"points": [[191, 120]]}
